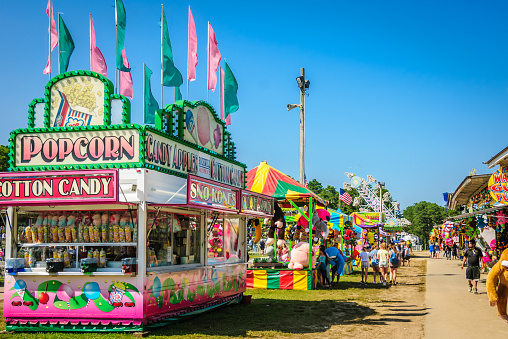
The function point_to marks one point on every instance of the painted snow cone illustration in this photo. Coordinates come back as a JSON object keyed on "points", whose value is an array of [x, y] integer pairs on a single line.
{"points": [[20, 287], [190, 124]]}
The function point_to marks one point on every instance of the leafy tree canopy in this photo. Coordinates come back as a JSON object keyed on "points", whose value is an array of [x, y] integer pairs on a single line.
{"points": [[4, 157], [423, 216]]}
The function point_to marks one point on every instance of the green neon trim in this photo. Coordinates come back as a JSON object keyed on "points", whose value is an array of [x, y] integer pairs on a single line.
{"points": [[108, 88]]}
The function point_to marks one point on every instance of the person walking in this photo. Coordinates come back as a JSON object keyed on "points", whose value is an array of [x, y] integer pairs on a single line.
{"points": [[382, 256], [431, 250], [322, 266], [364, 258], [403, 252], [454, 251], [394, 264], [473, 257], [437, 250], [448, 252], [375, 263]]}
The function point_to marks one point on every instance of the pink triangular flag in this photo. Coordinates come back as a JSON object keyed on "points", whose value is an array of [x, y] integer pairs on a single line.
{"points": [[214, 58], [126, 78], [192, 52], [53, 34], [98, 62]]}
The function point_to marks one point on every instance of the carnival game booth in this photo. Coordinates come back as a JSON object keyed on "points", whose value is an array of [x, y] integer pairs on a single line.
{"points": [[485, 199], [288, 193], [114, 226]]}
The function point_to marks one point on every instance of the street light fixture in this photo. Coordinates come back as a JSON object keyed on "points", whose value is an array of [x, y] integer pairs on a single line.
{"points": [[303, 85]]}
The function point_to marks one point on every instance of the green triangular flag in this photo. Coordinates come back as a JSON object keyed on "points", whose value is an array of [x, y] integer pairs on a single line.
{"points": [[171, 75], [178, 93], [66, 45], [121, 23], [230, 92], [151, 104]]}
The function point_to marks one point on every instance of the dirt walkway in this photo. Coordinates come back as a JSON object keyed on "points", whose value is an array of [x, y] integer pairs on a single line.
{"points": [[453, 312], [397, 311]]}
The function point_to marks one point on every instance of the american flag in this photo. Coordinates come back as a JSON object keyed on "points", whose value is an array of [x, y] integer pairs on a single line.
{"points": [[344, 196]]}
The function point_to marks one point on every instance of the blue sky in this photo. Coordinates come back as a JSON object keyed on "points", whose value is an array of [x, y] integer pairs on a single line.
{"points": [[407, 91]]}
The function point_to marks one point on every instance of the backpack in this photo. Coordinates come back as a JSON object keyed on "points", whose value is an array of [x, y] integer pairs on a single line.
{"points": [[393, 259]]}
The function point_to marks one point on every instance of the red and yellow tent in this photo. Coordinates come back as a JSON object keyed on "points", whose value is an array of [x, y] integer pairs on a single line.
{"points": [[267, 180]]}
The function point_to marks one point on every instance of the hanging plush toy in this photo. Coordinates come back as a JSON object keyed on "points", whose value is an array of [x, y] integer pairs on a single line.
{"points": [[501, 221], [499, 296], [321, 223], [278, 224]]}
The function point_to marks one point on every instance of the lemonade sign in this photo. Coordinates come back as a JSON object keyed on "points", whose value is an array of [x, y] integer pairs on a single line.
{"points": [[498, 186]]}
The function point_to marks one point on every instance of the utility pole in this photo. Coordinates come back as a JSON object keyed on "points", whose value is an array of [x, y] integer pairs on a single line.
{"points": [[302, 126], [303, 85]]}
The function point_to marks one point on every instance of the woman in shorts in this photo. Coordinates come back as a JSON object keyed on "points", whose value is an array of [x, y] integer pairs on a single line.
{"points": [[382, 256], [395, 259], [374, 262]]}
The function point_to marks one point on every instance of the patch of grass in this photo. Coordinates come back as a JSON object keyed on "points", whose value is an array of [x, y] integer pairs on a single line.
{"points": [[272, 313]]}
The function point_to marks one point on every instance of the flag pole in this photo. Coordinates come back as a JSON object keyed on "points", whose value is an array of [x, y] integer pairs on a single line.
{"points": [[188, 47], [116, 50], [50, 16], [90, 31], [144, 91], [59, 45], [162, 56], [208, 60]]}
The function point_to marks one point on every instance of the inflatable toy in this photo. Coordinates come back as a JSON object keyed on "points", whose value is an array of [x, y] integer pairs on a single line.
{"points": [[499, 296], [299, 256]]}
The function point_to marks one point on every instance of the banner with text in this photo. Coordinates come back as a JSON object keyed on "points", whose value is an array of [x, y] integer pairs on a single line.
{"points": [[88, 186], [205, 193]]}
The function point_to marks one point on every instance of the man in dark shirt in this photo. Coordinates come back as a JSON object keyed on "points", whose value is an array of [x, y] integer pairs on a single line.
{"points": [[473, 257]]}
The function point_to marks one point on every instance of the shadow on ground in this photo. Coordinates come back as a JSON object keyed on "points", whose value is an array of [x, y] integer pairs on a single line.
{"points": [[274, 315]]}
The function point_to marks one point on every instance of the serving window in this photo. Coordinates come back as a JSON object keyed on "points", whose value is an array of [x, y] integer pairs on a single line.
{"points": [[173, 239], [224, 239]]}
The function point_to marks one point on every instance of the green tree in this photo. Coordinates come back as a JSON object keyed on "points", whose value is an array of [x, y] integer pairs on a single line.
{"points": [[4, 158]]}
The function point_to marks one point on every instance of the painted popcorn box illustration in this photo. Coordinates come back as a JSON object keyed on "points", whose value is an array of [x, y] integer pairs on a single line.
{"points": [[116, 295], [67, 116]]}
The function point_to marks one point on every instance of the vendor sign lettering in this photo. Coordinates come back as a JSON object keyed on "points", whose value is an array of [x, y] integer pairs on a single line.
{"points": [[77, 148], [256, 204], [172, 155], [204, 193], [226, 173], [498, 186], [62, 187]]}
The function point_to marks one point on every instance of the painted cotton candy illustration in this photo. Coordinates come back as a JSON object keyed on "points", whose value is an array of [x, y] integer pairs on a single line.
{"points": [[203, 126]]}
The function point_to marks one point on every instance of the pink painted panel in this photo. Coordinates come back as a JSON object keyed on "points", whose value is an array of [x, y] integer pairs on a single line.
{"points": [[169, 292]]}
